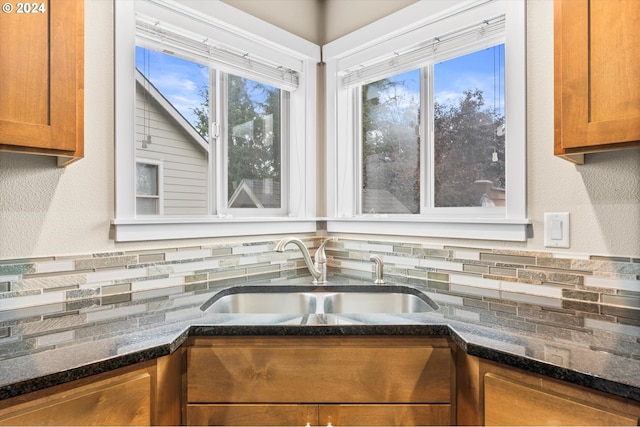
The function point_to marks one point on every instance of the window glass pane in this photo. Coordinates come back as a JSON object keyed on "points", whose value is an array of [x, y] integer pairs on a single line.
{"points": [[254, 144], [146, 206], [172, 117], [469, 130], [146, 179], [391, 145]]}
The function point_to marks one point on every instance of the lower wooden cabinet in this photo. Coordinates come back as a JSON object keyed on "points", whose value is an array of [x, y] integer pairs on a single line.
{"points": [[251, 415], [320, 381], [385, 415], [508, 403], [318, 415], [497, 395], [143, 394], [121, 400]]}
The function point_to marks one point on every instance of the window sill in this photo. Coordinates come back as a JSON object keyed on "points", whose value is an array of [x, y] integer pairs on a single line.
{"points": [[192, 228], [482, 229]]}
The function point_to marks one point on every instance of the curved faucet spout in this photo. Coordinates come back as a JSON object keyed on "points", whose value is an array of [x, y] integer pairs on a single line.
{"points": [[318, 267]]}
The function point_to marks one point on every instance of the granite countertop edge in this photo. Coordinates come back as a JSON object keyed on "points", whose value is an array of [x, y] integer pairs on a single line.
{"points": [[435, 329]]}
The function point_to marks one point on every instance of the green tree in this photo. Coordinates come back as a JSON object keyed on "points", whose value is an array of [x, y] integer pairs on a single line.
{"points": [[253, 130], [465, 138], [390, 142]]}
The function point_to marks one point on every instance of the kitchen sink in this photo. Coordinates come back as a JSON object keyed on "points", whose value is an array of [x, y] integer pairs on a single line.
{"points": [[329, 299]]}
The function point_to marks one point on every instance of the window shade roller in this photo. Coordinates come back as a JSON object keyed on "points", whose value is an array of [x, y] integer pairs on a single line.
{"points": [[161, 36], [437, 48]]}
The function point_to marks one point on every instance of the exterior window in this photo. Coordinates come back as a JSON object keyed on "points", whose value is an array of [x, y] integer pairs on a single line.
{"points": [[466, 147], [469, 129], [148, 189], [426, 130], [391, 145], [225, 105], [172, 127], [172, 123], [254, 148]]}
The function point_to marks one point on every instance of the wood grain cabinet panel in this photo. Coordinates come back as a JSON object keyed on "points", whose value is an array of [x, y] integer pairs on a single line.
{"points": [[511, 403], [597, 76], [124, 400], [252, 415], [42, 84], [148, 393], [350, 380], [385, 415]]}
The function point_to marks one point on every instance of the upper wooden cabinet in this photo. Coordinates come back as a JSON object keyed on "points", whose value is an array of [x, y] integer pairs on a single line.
{"points": [[597, 76], [42, 84]]}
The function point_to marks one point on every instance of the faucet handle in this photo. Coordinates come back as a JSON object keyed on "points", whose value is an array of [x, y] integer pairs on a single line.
{"points": [[320, 255], [379, 267]]}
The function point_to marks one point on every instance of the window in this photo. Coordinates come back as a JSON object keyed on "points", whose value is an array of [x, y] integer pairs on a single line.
{"points": [[254, 145], [148, 187], [428, 129], [172, 121], [216, 139]]}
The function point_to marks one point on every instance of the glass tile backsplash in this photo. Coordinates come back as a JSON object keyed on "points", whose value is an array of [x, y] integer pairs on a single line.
{"points": [[550, 278]]}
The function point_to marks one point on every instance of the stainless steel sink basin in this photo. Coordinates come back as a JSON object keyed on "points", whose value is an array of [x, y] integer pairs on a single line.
{"points": [[329, 299], [378, 302], [261, 303]]}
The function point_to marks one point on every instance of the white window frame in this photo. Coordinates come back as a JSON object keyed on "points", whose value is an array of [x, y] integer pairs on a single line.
{"points": [[160, 183], [248, 34], [409, 28]]}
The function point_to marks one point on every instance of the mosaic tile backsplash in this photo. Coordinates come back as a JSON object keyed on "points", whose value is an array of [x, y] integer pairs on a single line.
{"points": [[603, 287]]}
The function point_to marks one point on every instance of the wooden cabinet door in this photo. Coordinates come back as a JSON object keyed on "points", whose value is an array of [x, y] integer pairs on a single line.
{"points": [[123, 400], [319, 370], [252, 415], [510, 403], [42, 84], [597, 75], [385, 415]]}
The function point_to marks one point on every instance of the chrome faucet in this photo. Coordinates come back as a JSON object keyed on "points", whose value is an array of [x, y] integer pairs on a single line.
{"points": [[317, 268], [379, 266]]}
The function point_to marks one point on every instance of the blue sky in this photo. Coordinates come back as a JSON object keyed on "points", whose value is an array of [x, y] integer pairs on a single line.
{"points": [[177, 79], [483, 69]]}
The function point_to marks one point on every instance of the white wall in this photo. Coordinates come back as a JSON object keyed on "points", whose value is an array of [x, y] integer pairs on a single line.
{"points": [[46, 211]]}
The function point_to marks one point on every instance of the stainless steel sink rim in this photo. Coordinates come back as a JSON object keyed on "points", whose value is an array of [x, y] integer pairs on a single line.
{"points": [[314, 299]]}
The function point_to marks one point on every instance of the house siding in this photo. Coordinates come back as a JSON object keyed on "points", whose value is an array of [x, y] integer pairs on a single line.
{"points": [[184, 161]]}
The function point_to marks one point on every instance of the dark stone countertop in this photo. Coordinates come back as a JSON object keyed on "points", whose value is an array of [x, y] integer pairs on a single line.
{"points": [[51, 345]]}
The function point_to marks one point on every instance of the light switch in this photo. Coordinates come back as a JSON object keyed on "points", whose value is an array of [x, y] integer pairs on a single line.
{"points": [[556, 229]]}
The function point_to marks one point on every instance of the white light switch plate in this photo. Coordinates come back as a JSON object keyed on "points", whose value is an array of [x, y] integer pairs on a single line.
{"points": [[556, 229]]}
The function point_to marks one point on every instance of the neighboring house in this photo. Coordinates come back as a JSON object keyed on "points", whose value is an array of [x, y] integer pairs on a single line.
{"points": [[253, 193], [171, 157], [374, 200]]}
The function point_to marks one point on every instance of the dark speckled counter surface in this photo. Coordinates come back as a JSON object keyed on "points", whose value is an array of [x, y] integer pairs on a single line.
{"points": [[45, 346]]}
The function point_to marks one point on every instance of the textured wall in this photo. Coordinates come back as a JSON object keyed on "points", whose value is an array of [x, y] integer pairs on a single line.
{"points": [[46, 211]]}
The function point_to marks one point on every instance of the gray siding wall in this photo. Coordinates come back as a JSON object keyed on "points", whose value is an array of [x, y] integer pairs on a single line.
{"points": [[184, 160]]}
